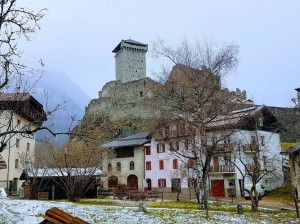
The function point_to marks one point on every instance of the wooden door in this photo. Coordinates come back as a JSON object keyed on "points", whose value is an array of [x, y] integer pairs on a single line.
{"points": [[217, 188], [132, 182]]}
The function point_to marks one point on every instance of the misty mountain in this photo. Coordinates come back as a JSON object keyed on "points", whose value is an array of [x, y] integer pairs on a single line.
{"points": [[56, 88]]}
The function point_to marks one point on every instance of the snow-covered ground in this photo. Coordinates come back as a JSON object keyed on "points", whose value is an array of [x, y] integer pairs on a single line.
{"points": [[30, 211]]}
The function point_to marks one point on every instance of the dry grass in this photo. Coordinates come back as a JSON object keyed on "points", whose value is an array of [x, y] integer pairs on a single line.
{"points": [[281, 194]]}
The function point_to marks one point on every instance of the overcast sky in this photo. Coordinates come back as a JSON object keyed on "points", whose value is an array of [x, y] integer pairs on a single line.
{"points": [[77, 37]]}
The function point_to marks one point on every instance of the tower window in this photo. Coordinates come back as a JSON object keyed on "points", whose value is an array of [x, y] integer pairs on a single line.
{"points": [[141, 94]]}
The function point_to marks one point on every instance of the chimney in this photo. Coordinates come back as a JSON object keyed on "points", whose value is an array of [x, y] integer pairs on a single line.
{"points": [[298, 95]]}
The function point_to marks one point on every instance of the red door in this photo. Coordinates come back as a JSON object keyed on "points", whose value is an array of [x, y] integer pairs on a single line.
{"points": [[217, 188]]}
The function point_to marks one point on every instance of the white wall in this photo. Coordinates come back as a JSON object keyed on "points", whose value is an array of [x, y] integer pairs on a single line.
{"points": [[12, 152]]}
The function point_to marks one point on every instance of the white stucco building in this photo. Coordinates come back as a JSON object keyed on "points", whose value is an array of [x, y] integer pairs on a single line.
{"points": [[238, 137], [127, 164], [19, 113]]}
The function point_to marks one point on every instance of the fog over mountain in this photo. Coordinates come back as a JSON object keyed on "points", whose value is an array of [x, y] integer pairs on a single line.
{"points": [[56, 88]]}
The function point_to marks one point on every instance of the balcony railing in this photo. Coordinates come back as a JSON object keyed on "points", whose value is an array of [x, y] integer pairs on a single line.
{"points": [[222, 169], [251, 148]]}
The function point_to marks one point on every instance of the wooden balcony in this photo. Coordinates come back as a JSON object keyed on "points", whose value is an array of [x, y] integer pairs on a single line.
{"points": [[222, 169], [251, 148], [225, 147]]}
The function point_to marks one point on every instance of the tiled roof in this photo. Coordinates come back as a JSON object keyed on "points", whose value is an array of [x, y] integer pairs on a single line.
{"points": [[132, 140], [234, 117], [14, 96], [128, 41]]}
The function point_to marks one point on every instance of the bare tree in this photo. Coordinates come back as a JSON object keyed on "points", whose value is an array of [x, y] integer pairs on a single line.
{"points": [[75, 168], [192, 95], [257, 163], [31, 162]]}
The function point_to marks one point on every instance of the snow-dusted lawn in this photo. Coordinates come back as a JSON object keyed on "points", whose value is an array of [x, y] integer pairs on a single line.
{"points": [[29, 212]]}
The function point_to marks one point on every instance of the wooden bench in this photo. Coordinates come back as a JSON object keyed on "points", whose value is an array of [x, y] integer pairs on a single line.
{"points": [[138, 195], [57, 216], [105, 192], [43, 195], [154, 195]]}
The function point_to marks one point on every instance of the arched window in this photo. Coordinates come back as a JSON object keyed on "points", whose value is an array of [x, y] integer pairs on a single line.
{"points": [[109, 167], [118, 166], [131, 165]]}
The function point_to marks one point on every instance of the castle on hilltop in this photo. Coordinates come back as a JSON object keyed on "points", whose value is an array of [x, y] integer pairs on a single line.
{"points": [[132, 95]]}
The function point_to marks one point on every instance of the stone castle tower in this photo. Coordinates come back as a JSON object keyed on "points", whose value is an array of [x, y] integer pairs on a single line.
{"points": [[130, 59]]}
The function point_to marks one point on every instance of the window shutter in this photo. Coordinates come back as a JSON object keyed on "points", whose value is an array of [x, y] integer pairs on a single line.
{"points": [[159, 183], [186, 144], [195, 183], [157, 148], [175, 163], [165, 182], [177, 145], [164, 147]]}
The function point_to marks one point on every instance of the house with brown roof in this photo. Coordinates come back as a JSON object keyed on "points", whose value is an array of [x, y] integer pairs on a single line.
{"points": [[126, 164], [20, 113], [240, 135]]}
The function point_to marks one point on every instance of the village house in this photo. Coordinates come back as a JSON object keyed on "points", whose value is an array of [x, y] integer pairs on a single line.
{"points": [[238, 135], [20, 112], [127, 164]]}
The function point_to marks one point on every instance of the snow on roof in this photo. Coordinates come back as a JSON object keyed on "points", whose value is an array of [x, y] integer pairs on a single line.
{"points": [[234, 117], [132, 140], [56, 172]]}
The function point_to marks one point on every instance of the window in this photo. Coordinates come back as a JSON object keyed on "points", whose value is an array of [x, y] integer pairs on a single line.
{"points": [[191, 162], [161, 148], [175, 164], [17, 143], [171, 146], [177, 146], [148, 165], [167, 131], [28, 147], [131, 165], [192, 182], [161, 164], [148, 150], [186, 143], [175, 184], [266, 182], [16, 163], [182, 130], [109, 168], [125, 152], [253, 140], [162, 182], [141, 93], [261, 121], [227, 140], [118, 166], [262, 140], [18, 123]]}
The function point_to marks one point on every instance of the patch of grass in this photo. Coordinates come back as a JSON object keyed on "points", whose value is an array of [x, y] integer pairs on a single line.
{"points": [[281, 194]]}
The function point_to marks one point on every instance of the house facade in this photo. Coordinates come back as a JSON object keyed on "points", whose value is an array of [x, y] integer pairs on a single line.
{"points": [[237, 137], [126, 162], [20, 113]]}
